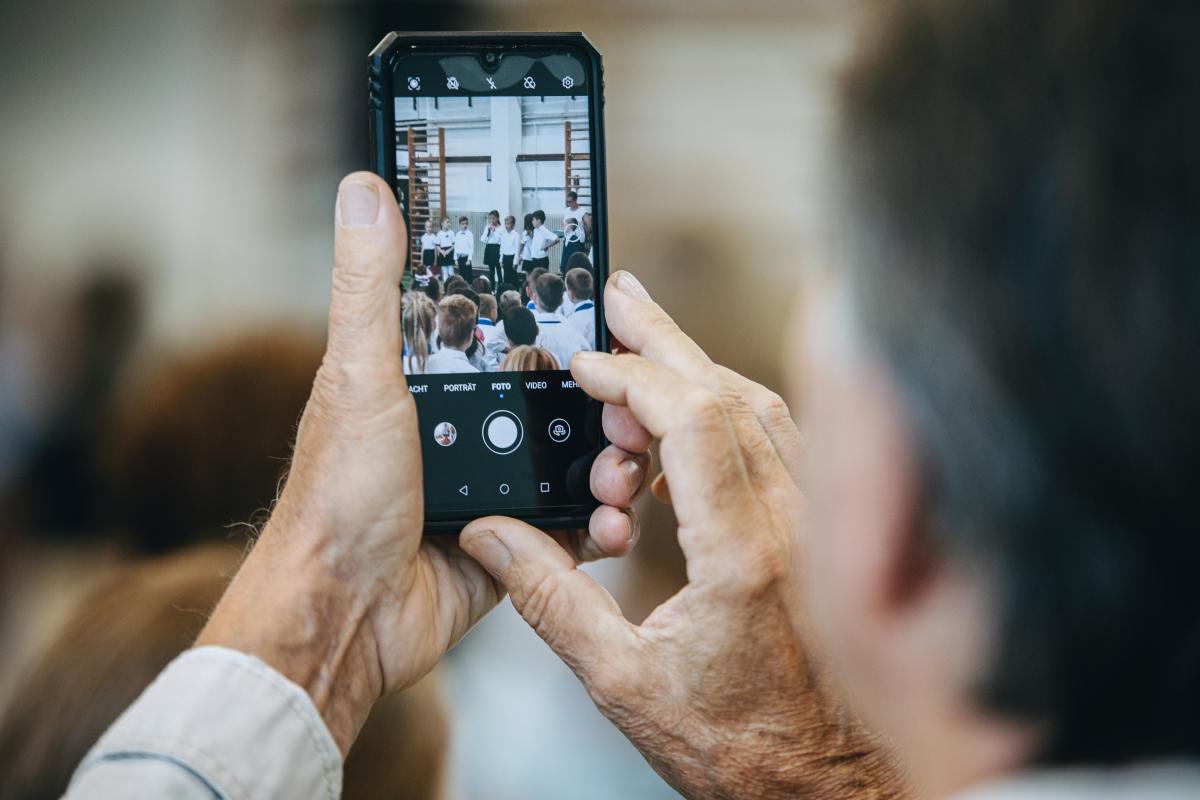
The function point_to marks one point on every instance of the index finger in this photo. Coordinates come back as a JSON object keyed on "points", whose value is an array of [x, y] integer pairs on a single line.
{"points": [[700, 452]]}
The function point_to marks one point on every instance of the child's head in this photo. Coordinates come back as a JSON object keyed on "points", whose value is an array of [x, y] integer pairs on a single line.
{"points": [[572, 198], [510, 222], [445, 223], [529, 222], [538, 218], [493, 217], [531, 281], [579, 285], [429, 225], [463, 222]]}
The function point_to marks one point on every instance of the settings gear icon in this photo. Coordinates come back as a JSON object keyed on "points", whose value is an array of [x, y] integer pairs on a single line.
{"points": [[568, 82], [530, 83]]}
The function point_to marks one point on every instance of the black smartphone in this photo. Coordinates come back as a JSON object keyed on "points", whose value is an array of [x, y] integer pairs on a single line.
{"points": [[494, 143]]}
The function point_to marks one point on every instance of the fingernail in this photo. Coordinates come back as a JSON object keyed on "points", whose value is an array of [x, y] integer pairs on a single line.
{"points": [[357, 205], [592, 355], [632, 471], [486, 548], [631, 285]]}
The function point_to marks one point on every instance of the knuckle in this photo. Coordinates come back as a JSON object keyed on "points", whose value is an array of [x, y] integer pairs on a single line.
{"points": [[542, 605], [702, 407]]}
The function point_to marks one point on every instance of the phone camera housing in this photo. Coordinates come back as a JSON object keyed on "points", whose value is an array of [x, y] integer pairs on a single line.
{"points": [[491, 60]]}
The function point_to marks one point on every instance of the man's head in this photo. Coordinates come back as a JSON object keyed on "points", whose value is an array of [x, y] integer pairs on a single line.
{"points": [[520, 327], [549, 290], [1000, 388], [579, 285], [572, 199], [487, 307], [456, 321]]}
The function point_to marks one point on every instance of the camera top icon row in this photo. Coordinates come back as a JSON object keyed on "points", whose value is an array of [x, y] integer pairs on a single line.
{"points": [[454, 85], [503, 432]]}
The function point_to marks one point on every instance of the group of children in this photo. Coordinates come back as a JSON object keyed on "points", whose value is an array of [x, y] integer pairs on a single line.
{"points": [[462, 327], [509, 255]]}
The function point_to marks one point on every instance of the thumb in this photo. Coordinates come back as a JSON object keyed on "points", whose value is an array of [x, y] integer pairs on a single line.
{"points": [[573, 613], [369, 253]]}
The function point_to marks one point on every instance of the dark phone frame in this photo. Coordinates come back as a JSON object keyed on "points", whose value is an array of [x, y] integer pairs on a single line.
{"points": [[381, 67]]}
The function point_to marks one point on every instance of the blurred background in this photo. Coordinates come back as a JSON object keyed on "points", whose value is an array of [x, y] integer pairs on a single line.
{"points": [[167, 178]]}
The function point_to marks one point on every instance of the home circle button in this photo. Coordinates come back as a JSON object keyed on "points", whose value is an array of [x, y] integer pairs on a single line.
{"points": [[502, 432]]}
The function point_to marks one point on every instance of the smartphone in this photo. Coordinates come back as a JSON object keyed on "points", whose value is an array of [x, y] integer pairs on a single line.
{"points": [[494, 143]]}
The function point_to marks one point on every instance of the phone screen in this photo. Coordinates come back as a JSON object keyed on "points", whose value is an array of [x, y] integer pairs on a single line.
{"points": [[495, 173]]}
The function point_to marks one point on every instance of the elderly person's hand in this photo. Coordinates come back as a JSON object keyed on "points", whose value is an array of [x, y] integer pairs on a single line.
{"points": [[715, 687], [341, 593]]}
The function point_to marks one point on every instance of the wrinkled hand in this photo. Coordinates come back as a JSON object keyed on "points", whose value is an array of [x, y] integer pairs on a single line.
{"points": [[342, 593], [714, 688]]}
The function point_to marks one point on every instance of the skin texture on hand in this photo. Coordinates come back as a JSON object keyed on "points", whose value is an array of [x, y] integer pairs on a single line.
{"points": [[715, 688], [342, 593]]}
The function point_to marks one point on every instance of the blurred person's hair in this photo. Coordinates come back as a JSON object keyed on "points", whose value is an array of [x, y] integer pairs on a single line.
{"points": [[125, 631], [549, 288], [528, 358], [456, 282], [482, 285], [579, 281], [572, 196], [463, 219], [1024, 249], [433, 289], [528, 223], [487, 306], [456, 321], [467, 292], [579, 261], [418, 316], [520, 326], [199, 443], [509, 299], [538, 216]]}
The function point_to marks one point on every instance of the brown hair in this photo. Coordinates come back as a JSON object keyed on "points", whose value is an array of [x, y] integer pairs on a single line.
{"points": [[528, 358], [200, 441], [125, 631], [579, 281], [487, 306], [456, 321], [549, 288], [417, 318]]}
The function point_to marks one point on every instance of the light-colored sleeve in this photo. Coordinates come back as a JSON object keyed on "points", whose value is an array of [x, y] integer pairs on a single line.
{"points": [[216, 723]]}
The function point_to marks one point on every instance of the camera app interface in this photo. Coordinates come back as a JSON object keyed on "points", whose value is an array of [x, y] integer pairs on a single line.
{"points": [[494, 171]]}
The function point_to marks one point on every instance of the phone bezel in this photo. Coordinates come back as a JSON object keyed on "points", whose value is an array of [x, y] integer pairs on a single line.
{"points": [[381, 67]]}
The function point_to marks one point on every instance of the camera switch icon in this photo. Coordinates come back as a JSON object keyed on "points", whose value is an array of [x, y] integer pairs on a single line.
{"points": [[559, 430]]}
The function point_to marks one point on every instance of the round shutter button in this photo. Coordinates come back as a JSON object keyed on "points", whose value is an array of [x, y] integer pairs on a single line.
{"points": [[502, 432]]}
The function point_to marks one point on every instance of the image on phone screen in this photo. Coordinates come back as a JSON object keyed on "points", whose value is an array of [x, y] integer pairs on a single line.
{"points": [[494, 169]]}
